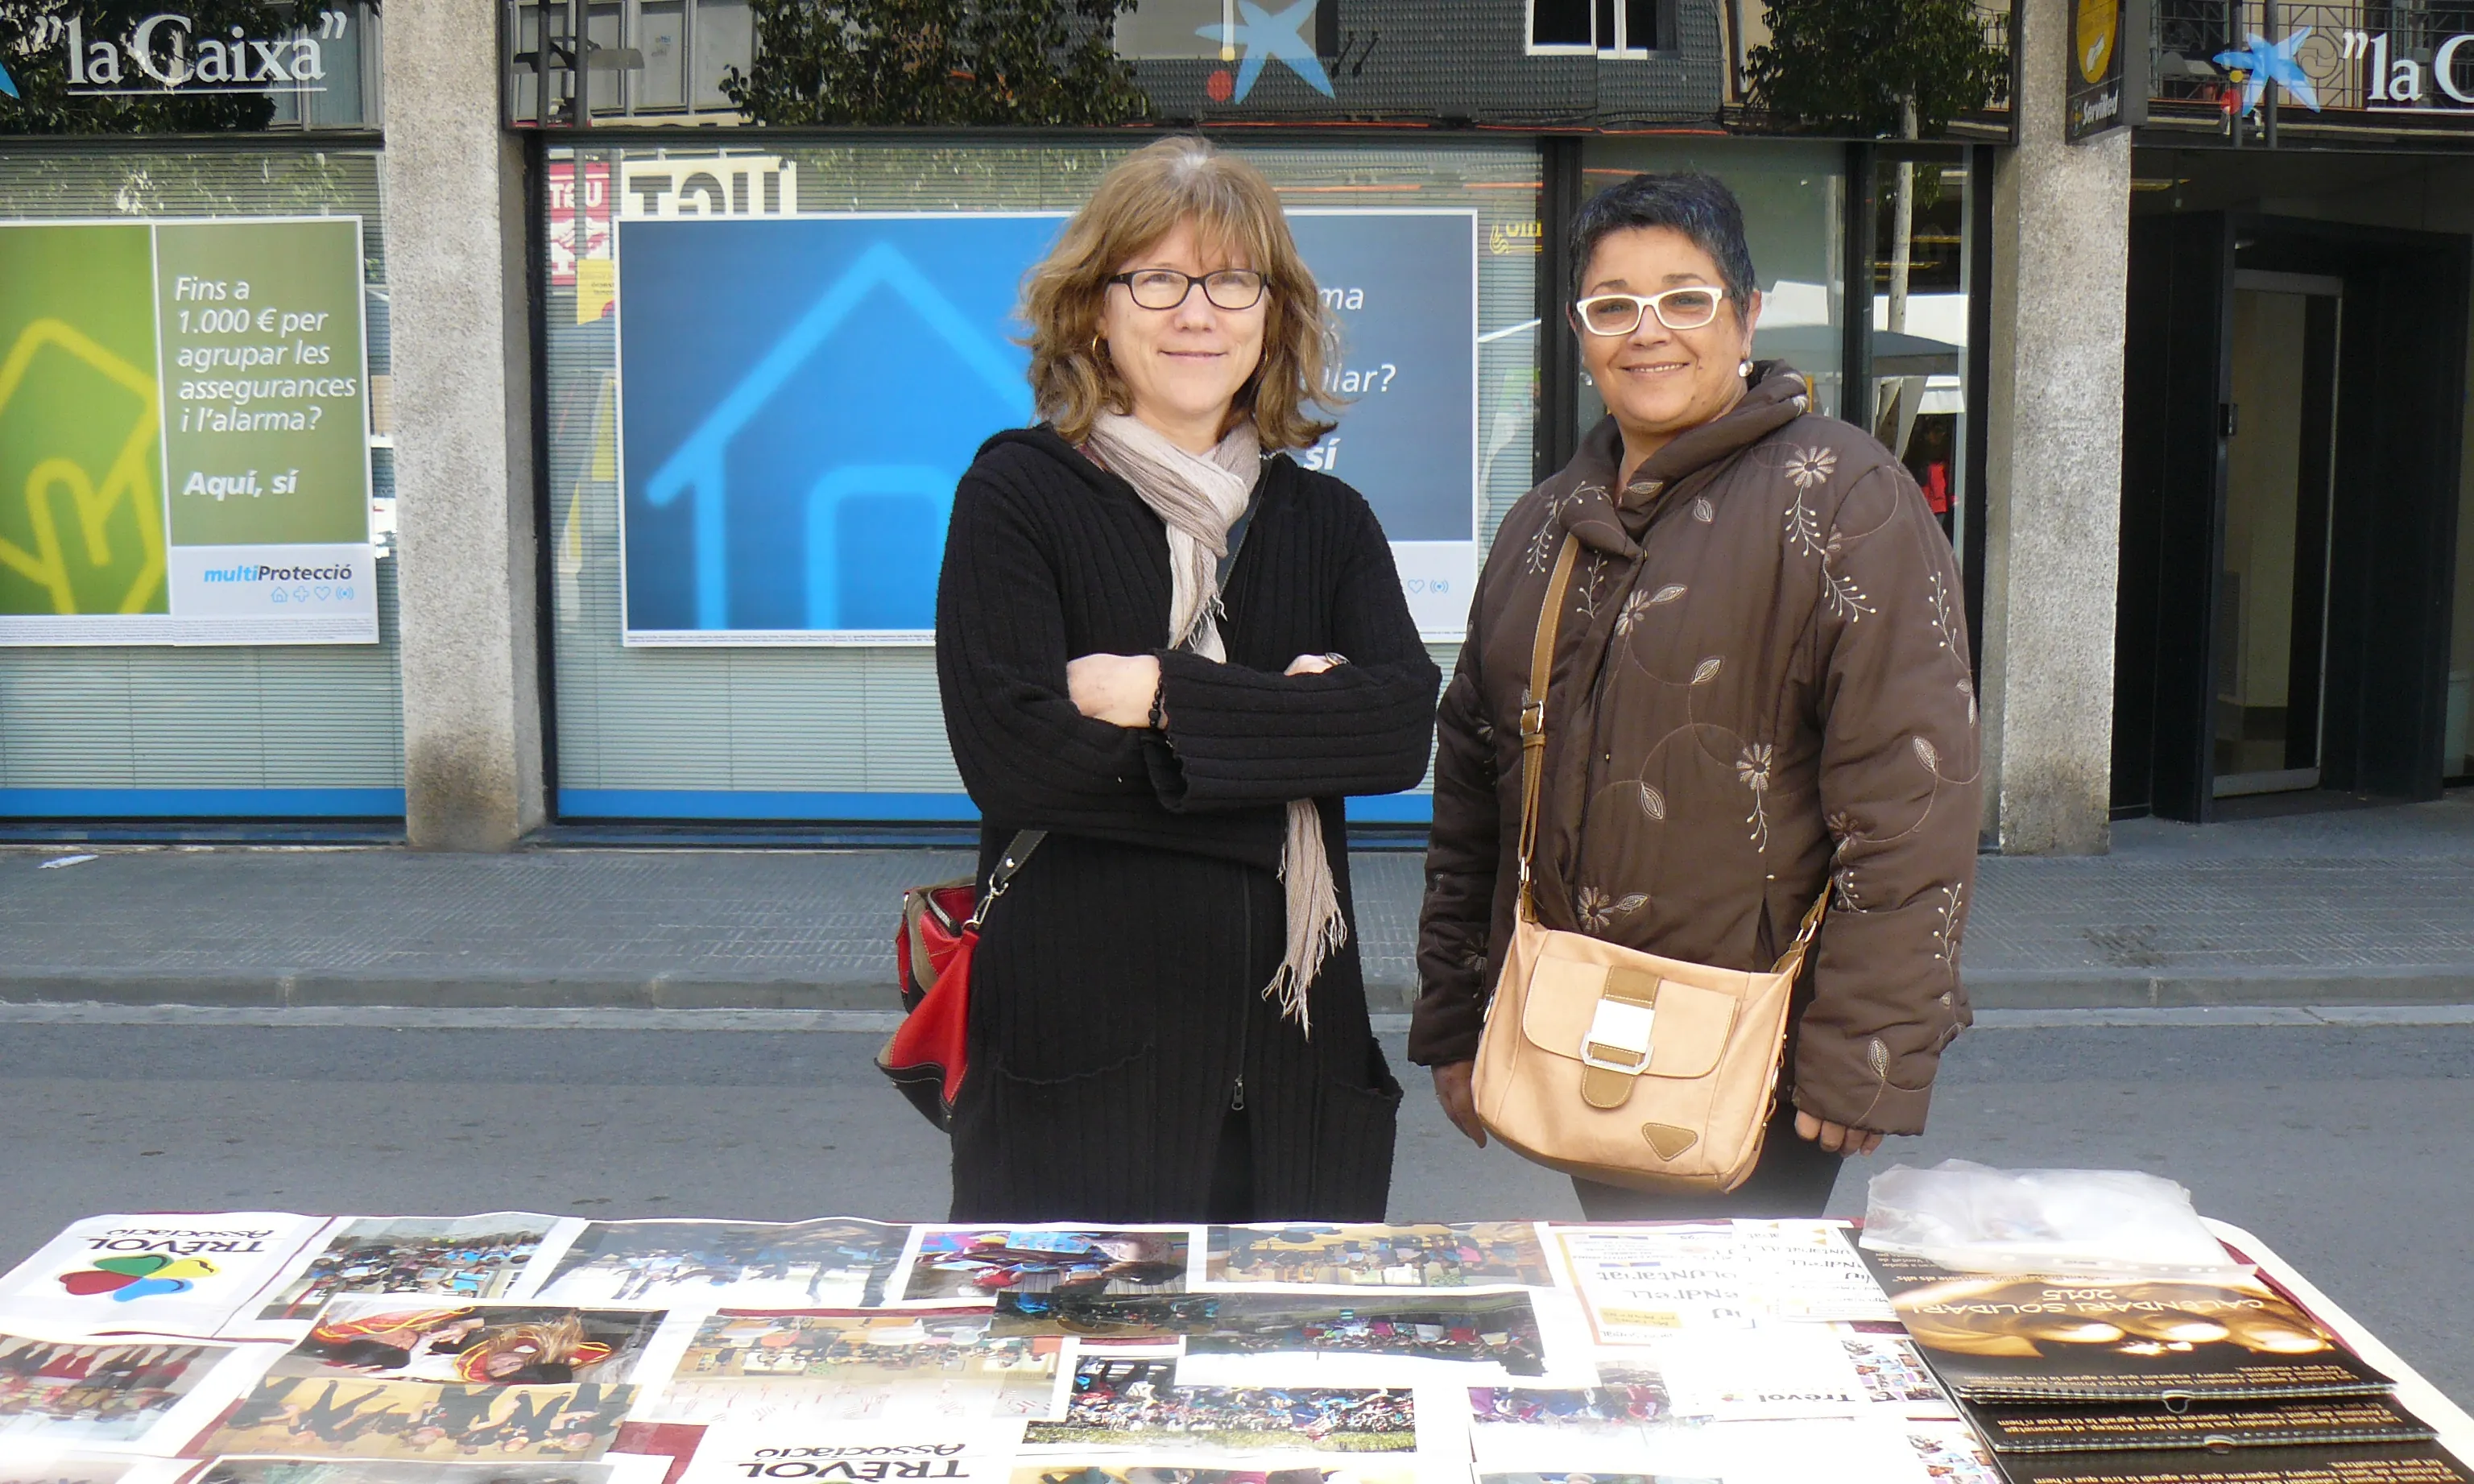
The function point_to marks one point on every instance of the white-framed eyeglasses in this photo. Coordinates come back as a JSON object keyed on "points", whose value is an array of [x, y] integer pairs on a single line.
{"points": [[1677, 308]]}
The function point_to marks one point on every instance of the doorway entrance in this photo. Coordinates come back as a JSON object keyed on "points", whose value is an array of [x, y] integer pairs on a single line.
{"points": [[2293, 400], [2273, 576]]}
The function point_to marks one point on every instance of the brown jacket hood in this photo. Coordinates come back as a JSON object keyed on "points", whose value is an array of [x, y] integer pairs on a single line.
{"points": [[1761, 686]]}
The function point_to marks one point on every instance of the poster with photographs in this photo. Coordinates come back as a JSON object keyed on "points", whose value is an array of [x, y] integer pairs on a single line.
{"points": [[463, 1259], [138, 1394], [472, 1344], [153, 1274], [1116, 1399], [835, 1262], [616, 1469], [974, 1264], [1463, 1254], [423, 1419], [924, 1365], [852, 1453]]}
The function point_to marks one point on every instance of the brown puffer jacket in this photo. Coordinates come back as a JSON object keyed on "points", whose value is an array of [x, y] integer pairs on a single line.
{"points": [[1762, 686]]}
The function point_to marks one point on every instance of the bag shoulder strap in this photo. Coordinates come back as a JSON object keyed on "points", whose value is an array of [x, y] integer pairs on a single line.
{"points": [[1237, 533], [1017, 850], [1791, 963], [1532, 708], [1533, 753]]}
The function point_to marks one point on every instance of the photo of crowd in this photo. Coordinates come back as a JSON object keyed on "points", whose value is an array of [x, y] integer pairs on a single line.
{"points": [[393, 1470], [1601, 1409], [472, 1344], [1500, 1329], [381, 1419], [101, 1392], [917, 1366], [473, 1259], [1135, 1403], [1430, 1256], [1495, 1329], [978, 1263], [833, 1263]]}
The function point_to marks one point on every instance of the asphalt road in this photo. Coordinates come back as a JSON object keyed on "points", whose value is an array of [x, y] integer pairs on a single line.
{"points": [[2346, 1148]]}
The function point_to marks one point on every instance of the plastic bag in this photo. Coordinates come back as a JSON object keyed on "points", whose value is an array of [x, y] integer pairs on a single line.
{"points": [[1975, 1219]]}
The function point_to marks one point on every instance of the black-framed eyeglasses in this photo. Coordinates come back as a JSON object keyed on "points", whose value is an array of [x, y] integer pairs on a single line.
{"points": [[1165, 288], [1620, 314]]}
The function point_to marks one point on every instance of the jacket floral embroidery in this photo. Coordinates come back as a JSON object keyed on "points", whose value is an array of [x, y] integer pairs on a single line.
{"points": [[1761, 690]]}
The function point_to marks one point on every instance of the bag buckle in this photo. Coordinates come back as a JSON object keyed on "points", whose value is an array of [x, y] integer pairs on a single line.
{"points": [[1618, 1038]]}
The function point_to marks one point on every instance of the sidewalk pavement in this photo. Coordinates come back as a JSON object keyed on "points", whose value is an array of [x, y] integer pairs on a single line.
{"points": [[2351, 906]]}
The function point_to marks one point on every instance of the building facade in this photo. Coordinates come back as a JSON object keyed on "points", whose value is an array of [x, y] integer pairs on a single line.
{"points": [[2297, 560], [680, 325]]}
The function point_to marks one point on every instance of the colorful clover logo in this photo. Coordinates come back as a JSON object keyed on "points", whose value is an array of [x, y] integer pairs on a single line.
{"points": [[137, 1277]]}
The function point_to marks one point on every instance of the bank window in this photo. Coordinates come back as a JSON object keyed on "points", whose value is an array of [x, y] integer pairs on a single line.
{"points": [[636, 58], [1605, 28], [1921, 291]]}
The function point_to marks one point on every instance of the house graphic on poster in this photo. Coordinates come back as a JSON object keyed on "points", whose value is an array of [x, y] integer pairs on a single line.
{"points": [[698, 470]]}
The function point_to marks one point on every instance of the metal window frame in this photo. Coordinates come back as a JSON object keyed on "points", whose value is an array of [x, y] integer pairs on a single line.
{"points": [[1536, 48]]}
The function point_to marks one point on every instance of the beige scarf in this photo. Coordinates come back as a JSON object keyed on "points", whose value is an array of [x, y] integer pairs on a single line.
{"points": [[1199, 497]]}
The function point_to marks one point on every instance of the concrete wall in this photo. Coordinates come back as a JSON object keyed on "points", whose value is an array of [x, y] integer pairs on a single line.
{"points": [[2061, 267], [464, 455]]}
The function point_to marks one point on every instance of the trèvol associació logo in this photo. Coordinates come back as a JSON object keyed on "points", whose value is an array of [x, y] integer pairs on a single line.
{"points": [[141, 1276]]}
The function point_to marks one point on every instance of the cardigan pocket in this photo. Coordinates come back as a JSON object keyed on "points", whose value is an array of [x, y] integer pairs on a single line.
{"points": [[1037, 1010], [1353, 1160]]}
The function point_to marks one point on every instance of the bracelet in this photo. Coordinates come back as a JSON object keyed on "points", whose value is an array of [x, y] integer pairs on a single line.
{"points": [[1159, 707], [1335, 658]]}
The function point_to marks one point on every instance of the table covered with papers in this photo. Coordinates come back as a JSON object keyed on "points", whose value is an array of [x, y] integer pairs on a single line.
{"points": [[273, 1347]]}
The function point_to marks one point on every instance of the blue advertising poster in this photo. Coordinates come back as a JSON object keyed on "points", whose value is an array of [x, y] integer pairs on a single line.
{"points": [[798, 398]]}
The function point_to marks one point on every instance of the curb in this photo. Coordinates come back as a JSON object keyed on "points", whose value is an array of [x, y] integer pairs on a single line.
{"points": [[2067, 989], [327, 990], [1991, 990]]}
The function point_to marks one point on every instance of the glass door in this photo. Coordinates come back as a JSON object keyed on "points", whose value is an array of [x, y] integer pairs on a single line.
{"points": [[2270, 623]]}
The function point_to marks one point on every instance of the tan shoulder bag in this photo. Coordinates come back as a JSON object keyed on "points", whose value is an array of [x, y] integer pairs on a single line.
{"points": [[1618, 1065]]}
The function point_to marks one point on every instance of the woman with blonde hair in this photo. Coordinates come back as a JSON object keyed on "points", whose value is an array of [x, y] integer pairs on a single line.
{"points": [[1167, 647]]}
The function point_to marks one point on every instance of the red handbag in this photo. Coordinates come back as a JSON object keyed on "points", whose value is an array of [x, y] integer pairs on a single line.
{"points": [[929, 1053]]}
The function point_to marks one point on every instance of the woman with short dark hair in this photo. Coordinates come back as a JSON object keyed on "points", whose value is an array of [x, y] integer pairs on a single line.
{"points": [[1165, 644], [1761, 688]]}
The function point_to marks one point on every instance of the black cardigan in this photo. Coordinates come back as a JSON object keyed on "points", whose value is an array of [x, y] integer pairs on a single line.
{"points": [[1116, 1008]]}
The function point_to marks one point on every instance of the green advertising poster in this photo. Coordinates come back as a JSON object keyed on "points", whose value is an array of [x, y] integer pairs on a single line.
{"points": [[184, 433], [262, 429], [81, 462]]}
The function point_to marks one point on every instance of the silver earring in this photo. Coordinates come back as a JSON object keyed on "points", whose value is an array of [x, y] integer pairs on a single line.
{"points": [[1744, 366]]}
